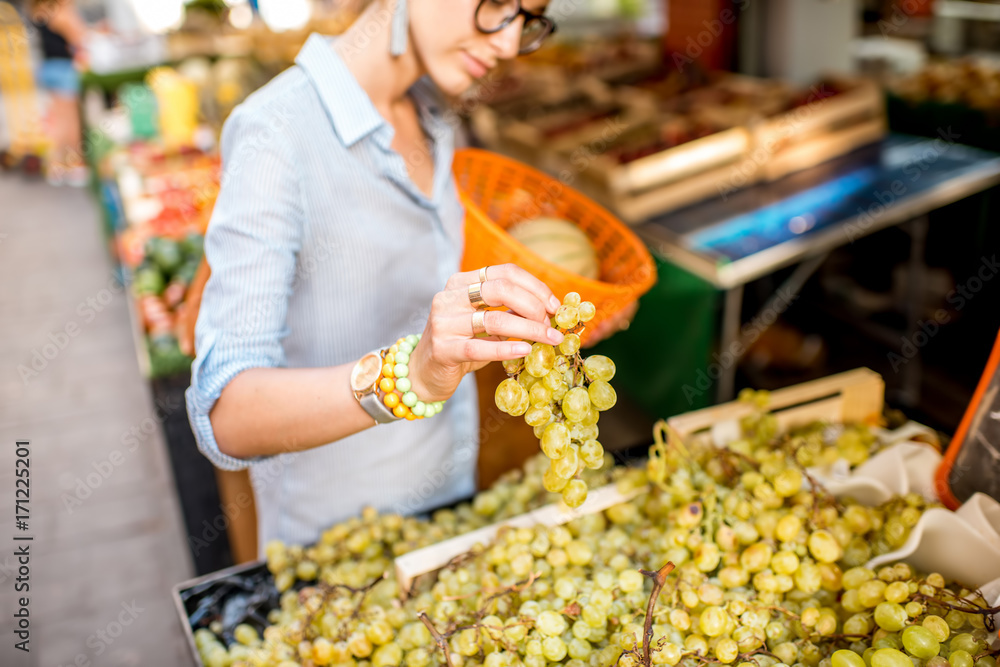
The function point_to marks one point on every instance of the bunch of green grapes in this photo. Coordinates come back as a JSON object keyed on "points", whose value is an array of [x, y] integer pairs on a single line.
{"points": [[759, 577], [815, 444], [898, 619], [371, 538], [561, 396]]}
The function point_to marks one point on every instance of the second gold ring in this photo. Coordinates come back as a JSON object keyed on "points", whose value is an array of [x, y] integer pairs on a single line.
{"points": [[478, 322], [476, 296]]}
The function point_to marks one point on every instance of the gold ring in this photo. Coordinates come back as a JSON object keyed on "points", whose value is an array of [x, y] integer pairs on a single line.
{"points": [[482, 274], [478, 322], [476, 295]]}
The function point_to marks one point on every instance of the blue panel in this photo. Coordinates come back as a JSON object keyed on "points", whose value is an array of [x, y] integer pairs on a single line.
{"points": [[861, 186]]}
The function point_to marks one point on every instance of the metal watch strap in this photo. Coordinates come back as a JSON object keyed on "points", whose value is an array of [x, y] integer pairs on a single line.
{"points": [[364, 383], [376, 409]]}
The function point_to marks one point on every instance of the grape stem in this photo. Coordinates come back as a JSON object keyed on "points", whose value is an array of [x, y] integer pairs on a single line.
{"points": [[439, 639], [817, 488], [659, 578], [783, 611], [987, 612], [515, 588], [985, 654], [328, 591], [742, 657]]}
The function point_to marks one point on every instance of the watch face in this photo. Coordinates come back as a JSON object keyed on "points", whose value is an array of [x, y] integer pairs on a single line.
{"points": [[366, 372]]}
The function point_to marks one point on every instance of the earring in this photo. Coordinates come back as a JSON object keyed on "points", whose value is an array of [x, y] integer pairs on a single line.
{"points": [[400, 25]]}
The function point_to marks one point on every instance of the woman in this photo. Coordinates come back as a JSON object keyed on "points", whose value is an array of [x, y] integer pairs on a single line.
{"points": [[338, 231], [61, 34]]}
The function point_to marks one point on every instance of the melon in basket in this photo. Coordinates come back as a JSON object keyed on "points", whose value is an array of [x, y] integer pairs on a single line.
{"points": [[560, 242]]}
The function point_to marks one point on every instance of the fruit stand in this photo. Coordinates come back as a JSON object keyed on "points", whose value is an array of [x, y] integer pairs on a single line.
{"points": [[708, 497], [166, 204]]}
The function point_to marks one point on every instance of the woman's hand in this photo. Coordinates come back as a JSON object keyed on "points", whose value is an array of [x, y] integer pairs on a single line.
{"points": [[449, 349]]}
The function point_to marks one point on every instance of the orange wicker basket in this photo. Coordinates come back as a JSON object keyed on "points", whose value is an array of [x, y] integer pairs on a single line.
{"points": [[498, 192]]}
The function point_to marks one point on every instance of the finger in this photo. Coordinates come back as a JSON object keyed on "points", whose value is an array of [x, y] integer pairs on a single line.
{"points": [[527, 281], [478, 349], [503, 292], [506, 325], [515, 274]]}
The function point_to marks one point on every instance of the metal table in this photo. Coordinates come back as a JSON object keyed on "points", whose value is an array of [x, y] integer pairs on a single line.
{"points": [[733, 240]]}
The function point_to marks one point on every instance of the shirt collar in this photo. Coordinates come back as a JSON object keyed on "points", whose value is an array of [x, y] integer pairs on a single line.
{"points": [[351, 110]]}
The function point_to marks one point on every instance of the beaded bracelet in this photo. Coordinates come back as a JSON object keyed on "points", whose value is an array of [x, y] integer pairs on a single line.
{"points": [[395, 385]]}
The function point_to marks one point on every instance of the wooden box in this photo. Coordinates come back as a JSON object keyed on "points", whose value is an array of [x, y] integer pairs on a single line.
{"points": [[852, 396], [213, 581], [762, 130], [535, 133], [822, 128], [659, 182]]}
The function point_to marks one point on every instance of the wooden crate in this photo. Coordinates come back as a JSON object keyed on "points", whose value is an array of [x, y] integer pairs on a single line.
{"points": [[853, 396], [816, 150], [178, 590], [808, 136], [528, 140], [663, 181]]}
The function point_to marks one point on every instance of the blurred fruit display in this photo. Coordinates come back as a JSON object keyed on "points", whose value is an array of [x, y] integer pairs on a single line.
{"points": [[648, 138], [963, 95], [167, 200]]}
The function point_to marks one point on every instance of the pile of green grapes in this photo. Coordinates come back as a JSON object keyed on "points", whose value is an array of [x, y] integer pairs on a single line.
{"points": [[561, 396], [770, 572]]}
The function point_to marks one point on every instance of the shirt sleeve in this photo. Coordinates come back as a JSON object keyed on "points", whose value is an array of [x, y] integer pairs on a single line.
{"points": [[252, 245]]}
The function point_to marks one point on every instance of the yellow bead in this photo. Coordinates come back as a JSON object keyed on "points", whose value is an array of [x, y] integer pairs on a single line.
{"points": [[387, 385]]}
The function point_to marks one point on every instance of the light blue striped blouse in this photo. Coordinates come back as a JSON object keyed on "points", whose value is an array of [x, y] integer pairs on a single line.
{"points": [[322, 249]]}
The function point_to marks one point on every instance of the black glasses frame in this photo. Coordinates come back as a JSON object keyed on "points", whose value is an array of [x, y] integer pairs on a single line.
{"points": [[548, 24]]}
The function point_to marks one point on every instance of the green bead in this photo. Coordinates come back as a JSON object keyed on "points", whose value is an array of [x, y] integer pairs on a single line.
{"points": [[419, 408], [440, 406], [401, 370], [412, 340], [405, 347], [403, 385], [409, 399], [402, 358]]}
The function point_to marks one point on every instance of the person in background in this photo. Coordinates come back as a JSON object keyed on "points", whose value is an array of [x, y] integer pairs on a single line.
{"points": [[61, 33]]}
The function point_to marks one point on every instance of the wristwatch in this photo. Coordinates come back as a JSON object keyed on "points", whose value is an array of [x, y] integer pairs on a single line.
{"points": [[364, 383]]}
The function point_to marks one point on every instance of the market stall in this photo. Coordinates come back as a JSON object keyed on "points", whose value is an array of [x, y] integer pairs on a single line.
{"points": [[739, 259], [738, 187]]}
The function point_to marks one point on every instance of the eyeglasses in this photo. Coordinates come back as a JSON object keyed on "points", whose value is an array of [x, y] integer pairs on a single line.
{"points": [[492, 16]]}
